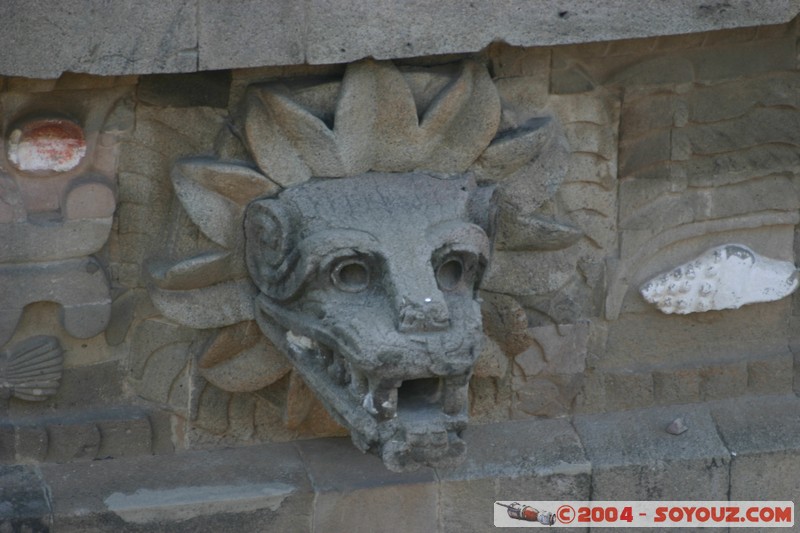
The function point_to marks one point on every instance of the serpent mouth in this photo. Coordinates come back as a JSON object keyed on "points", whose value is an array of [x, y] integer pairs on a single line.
{"points": [[409, 422]]}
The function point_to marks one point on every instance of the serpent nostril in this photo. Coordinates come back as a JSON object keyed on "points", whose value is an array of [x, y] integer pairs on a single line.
{"points": [[428, 316]]}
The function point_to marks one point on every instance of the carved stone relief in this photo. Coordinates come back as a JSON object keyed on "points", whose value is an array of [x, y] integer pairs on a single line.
{"points": [[57, 200], [726, 277], [369, 206]]}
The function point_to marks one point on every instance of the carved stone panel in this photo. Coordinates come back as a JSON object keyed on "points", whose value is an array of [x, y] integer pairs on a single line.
{"points": [[369, 206], [57, 201]]}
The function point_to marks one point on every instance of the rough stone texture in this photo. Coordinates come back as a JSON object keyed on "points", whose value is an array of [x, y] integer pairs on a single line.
{"points": [[541, 460], [46, 39], [346, 481], [325, 485], [195, 491], [25, 505], [187, 35], [705, 128], [634, 458], [762, 435]]}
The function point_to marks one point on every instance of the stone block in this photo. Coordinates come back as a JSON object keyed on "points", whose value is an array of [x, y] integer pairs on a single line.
{"points": [[737, 61], [226, 34], [208, 89], [45, 39], [733, 99], [676, 386], [628, 390], [393, 30], [771, 376], [532, 459], [72, 441], [32, 442], [723, 381], [23, 500], [259, 488], [643, 152], [634, 458], [80, 286], [126, 434], [651, 112], [763, 435], [347, 482], [7, 442]]}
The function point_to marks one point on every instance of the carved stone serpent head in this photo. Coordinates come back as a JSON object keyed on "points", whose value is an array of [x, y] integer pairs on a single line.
{"points": [[369, 285], [368, 225]]}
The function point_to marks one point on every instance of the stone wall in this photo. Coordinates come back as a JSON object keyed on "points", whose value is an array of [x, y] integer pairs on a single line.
{"points": [[666, 146], [676, 145]]}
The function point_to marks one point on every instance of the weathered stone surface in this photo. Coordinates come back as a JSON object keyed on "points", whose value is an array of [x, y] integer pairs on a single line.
{"points": [[633, 458], [225, 35], [762, 434], [31, 369], [80, 286], [411, 31], [194, 35], [25, 505], [344, 480], [204, 89], [85, 436], [172, 493], [543, 458], [45, 40], [771, 376]]}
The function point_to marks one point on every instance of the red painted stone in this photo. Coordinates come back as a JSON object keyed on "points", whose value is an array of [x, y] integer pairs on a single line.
{"points": [[52, 144]]}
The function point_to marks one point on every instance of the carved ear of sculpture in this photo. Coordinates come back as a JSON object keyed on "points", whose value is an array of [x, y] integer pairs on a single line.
{"points": [[528, 164], [269, 229], [482, 208]]}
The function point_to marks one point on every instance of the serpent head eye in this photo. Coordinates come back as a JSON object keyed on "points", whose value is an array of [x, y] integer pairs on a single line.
{"points": [[351, 274]]}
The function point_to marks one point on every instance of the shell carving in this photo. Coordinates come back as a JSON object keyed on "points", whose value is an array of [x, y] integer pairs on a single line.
{"points": [[31, 370], [725, 277]]}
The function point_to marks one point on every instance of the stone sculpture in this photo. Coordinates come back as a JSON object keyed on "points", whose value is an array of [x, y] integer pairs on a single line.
{"points": [[725, 277], [57, 201], [369, 219]]}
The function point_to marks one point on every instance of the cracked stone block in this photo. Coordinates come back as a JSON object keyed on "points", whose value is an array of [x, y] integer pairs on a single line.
{"points": [[196, 491], [226, 42], [72, 441], [23, 500], [634, 458], [763, 435]]}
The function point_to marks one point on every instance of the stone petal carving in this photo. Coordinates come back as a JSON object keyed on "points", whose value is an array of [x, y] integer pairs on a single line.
{"points": [[725, 277], [375, 98], [201, 270], [375, 126], [216, 306], [31, 370], [215, 194], [240, 359], [511, 151]]}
